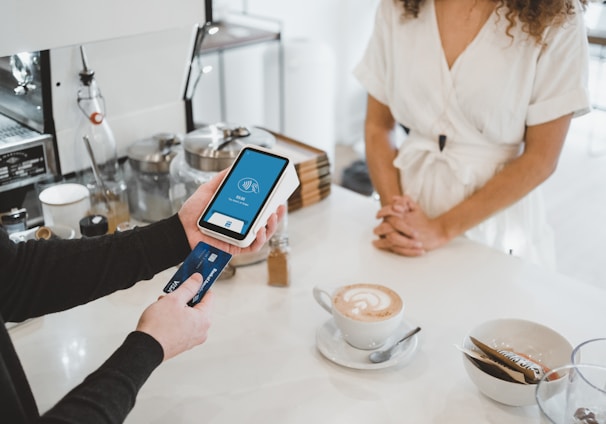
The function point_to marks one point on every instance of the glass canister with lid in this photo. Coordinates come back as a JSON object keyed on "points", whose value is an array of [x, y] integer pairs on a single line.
{"points": [[149, 177], [206, 151]]}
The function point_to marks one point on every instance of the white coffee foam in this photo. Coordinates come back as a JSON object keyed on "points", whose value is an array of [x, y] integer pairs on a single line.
{"points": [[366, 299], [367, 302]]}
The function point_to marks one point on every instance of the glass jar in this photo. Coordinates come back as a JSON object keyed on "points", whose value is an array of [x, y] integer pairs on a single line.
{"points": [[207, 151], [149, 179], [184, 179], [14, 220]]}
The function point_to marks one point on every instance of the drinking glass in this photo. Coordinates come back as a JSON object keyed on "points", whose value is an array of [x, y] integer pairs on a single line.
{"points": [[573, 394], [590, 352]]}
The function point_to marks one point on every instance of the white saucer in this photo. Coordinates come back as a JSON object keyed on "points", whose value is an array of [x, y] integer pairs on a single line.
{"points": [[332, 345], [61, 231]]}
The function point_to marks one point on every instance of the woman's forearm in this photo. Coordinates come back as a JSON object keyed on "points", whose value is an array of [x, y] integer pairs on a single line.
{"points": [[381, 150]]}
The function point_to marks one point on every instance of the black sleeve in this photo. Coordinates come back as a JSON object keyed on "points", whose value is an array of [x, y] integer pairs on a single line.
{"points": [[39, 277], [108, 394]]}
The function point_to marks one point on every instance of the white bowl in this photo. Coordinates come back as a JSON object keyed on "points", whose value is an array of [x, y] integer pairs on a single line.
{"points": [[536, 341]]}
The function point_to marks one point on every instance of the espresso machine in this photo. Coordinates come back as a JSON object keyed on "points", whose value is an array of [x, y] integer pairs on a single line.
{"points": [[27, 140]]}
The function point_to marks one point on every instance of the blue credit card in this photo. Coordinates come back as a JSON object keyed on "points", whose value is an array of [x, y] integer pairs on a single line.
{"points": [[205, 259]]}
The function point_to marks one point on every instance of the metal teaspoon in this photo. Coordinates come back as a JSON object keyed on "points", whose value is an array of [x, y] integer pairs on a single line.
{"points": [[384, 355], [105, 192]]}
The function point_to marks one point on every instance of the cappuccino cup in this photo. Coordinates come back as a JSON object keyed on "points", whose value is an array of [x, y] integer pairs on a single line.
{"points": [[366, 314]]}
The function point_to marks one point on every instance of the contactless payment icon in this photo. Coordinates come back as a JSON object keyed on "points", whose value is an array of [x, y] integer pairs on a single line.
{"points": [[249, 185]]}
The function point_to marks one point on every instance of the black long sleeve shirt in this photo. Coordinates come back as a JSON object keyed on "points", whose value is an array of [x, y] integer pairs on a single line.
{"points": [[40, 277]]}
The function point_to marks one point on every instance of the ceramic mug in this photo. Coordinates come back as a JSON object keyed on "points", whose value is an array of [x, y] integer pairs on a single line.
{"points": [[65, 204], [366, 314]]}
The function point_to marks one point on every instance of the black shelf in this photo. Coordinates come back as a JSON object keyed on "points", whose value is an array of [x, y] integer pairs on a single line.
{"points": [[221, 36], [217, 36]]}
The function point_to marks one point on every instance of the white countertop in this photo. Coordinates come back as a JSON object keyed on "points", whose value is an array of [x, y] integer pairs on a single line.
{"points": [[260, 363]]}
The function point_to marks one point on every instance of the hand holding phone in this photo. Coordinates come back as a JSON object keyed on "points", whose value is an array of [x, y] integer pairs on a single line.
{"points": [[258, 182]]}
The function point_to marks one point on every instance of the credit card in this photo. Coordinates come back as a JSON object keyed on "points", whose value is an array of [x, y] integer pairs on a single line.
{"points": [[205, 259]]}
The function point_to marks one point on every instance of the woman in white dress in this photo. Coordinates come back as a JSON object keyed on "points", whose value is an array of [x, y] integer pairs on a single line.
{"points": [[487, 90]]}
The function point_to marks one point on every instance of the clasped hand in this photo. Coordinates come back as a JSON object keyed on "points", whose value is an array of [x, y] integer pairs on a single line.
{"points": [[405, 229]]}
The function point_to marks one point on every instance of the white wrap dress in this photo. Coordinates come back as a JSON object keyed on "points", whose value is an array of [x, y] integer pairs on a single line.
{"points": [[482, 104]]}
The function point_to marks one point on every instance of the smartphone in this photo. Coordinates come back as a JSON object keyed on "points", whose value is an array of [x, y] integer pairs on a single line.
{"points": [[257, 183]]}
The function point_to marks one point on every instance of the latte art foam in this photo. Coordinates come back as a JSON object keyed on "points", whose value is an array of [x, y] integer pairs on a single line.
{"points": [[367, 302]]}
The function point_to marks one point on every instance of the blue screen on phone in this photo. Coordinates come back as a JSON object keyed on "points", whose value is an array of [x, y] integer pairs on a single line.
{"points": [[244, 192]]}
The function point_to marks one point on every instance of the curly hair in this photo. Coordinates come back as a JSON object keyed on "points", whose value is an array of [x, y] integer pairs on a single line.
{"points": [[534, 15]]}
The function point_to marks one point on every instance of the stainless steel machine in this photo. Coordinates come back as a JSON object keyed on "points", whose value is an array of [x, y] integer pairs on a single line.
{"points": [[27, 139]]}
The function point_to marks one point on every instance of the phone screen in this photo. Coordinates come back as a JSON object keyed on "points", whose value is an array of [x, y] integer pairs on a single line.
{"points": [[243, 193]]}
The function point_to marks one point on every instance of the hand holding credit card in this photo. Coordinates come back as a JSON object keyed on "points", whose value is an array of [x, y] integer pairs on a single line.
{"points": [[204, 259]]}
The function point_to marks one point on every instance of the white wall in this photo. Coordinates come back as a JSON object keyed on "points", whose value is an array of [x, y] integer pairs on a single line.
{"points": [[342, 26], [31, 25]]}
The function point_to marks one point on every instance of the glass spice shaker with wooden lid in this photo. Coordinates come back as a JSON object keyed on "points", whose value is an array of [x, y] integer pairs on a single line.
{"points": [[278, 265]]}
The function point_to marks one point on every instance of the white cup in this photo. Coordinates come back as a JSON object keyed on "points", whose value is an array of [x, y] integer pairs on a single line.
{"points": [[367, 315], [65, 204]]}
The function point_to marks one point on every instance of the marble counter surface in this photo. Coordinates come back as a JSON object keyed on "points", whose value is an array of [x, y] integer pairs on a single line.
{"points": [[261, 363]]}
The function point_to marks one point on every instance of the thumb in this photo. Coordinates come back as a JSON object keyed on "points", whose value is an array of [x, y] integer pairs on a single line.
{"points": [[188, 289], [213, 184]]}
